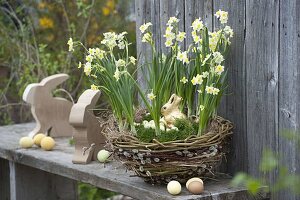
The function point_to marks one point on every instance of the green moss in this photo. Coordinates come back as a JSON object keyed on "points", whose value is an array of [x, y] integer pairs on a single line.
{"points": [[145, 134], [147, 117], [185, 129]]}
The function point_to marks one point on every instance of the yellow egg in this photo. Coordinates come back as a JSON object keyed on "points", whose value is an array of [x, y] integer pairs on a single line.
{"points": [[174, 187], [26, 142], [47, 143], [38, 138], [102, 155], [195, 185]]}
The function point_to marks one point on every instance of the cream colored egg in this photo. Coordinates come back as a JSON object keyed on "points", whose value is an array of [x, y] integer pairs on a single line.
{"points": [[38, 138], [193, 179], [47, 143], [103, 155], [26, 142], [195, 185], [174, 187]]}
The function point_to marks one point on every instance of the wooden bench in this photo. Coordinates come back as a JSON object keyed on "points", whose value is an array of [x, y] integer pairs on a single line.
{"points": [[37, 174]]}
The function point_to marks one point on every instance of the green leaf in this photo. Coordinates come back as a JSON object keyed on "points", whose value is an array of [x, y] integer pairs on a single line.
{"points": [[269, 161]]}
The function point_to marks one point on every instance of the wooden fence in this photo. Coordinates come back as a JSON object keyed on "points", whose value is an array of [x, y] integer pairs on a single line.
{"points": [[264, 67]]}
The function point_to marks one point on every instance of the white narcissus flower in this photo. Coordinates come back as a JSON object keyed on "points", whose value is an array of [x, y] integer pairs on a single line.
{"points": [[218, 58], [92, 51], [228, 31], [121, 45], [182, 56], [184, 80], [222, 16], [87, 68], [121, 36], [117, 74], [197, 80], [209, 89], [197, 25], [215, 91], [172, 20], [132, 60], [168, 43], [202, 107], [205, 74], [181, 36], [94, 87], [151, 96], [145, 26], [79, 65], [147, 38], [169, 35], [89, 58], [219, 69], [70, 43], [120, 63], [99, 53]]}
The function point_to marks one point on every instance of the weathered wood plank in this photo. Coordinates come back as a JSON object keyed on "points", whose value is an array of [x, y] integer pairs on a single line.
{"points": [[111, 176], [30, 183], [4, 180], [261, 64], [289, 90], [233, 106]]}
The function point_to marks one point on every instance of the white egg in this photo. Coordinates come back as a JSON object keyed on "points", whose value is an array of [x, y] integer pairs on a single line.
{"points": [[174, 187], [103, 155]]}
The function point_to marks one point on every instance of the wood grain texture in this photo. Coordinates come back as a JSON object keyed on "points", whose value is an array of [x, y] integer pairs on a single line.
{"points": [[111, 176], [289, 90], [261, 64], [28, 183], [233, 105], [4, 180]]}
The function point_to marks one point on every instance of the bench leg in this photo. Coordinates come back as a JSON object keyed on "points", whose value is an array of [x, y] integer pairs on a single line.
{"points": [[4, 180], [28, 183]]}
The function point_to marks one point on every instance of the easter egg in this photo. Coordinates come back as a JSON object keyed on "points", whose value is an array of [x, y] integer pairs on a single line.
{"points": [[26, 142], [195, 185], [102, 155], [174, 187], [38, 138], [47, 143]]}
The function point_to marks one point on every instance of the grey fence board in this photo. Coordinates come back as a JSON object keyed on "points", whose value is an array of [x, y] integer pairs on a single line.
{"points": [[289, 93], [263, 98]]}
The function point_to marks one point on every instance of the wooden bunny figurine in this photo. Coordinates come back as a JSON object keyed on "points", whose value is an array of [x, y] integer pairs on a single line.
{"points": [[50, 113], [170, 110], [88, 137]]}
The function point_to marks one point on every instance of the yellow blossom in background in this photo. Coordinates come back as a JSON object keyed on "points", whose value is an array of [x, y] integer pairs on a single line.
{"points": [[151, 96], [87, 68], [46, 22], [105, 11], [184, 80], [50, 37], [42, 5], [219, 69], [94, 87]]}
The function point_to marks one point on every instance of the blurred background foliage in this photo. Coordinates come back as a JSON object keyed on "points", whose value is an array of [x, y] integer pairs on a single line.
{"points": [[33, 45], [33, 37], [271, 162]]}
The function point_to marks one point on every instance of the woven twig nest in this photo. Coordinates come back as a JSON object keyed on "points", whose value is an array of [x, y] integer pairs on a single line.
{"points": [[182, 159]]}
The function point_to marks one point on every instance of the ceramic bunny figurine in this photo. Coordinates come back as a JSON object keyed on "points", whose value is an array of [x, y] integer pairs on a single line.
{"points": [[170, 110]]}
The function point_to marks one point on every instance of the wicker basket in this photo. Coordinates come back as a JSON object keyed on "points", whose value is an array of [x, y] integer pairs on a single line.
{"points": [[182, 159]]}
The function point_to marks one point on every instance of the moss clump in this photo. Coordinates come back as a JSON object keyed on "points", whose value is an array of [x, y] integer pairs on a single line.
{"points": [[185, 129], [145, 134], [147, 117]]}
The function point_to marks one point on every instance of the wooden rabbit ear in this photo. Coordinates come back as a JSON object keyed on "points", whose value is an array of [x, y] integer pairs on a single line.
{"points": [[171, 98], [51, 82], [89, 97]]}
